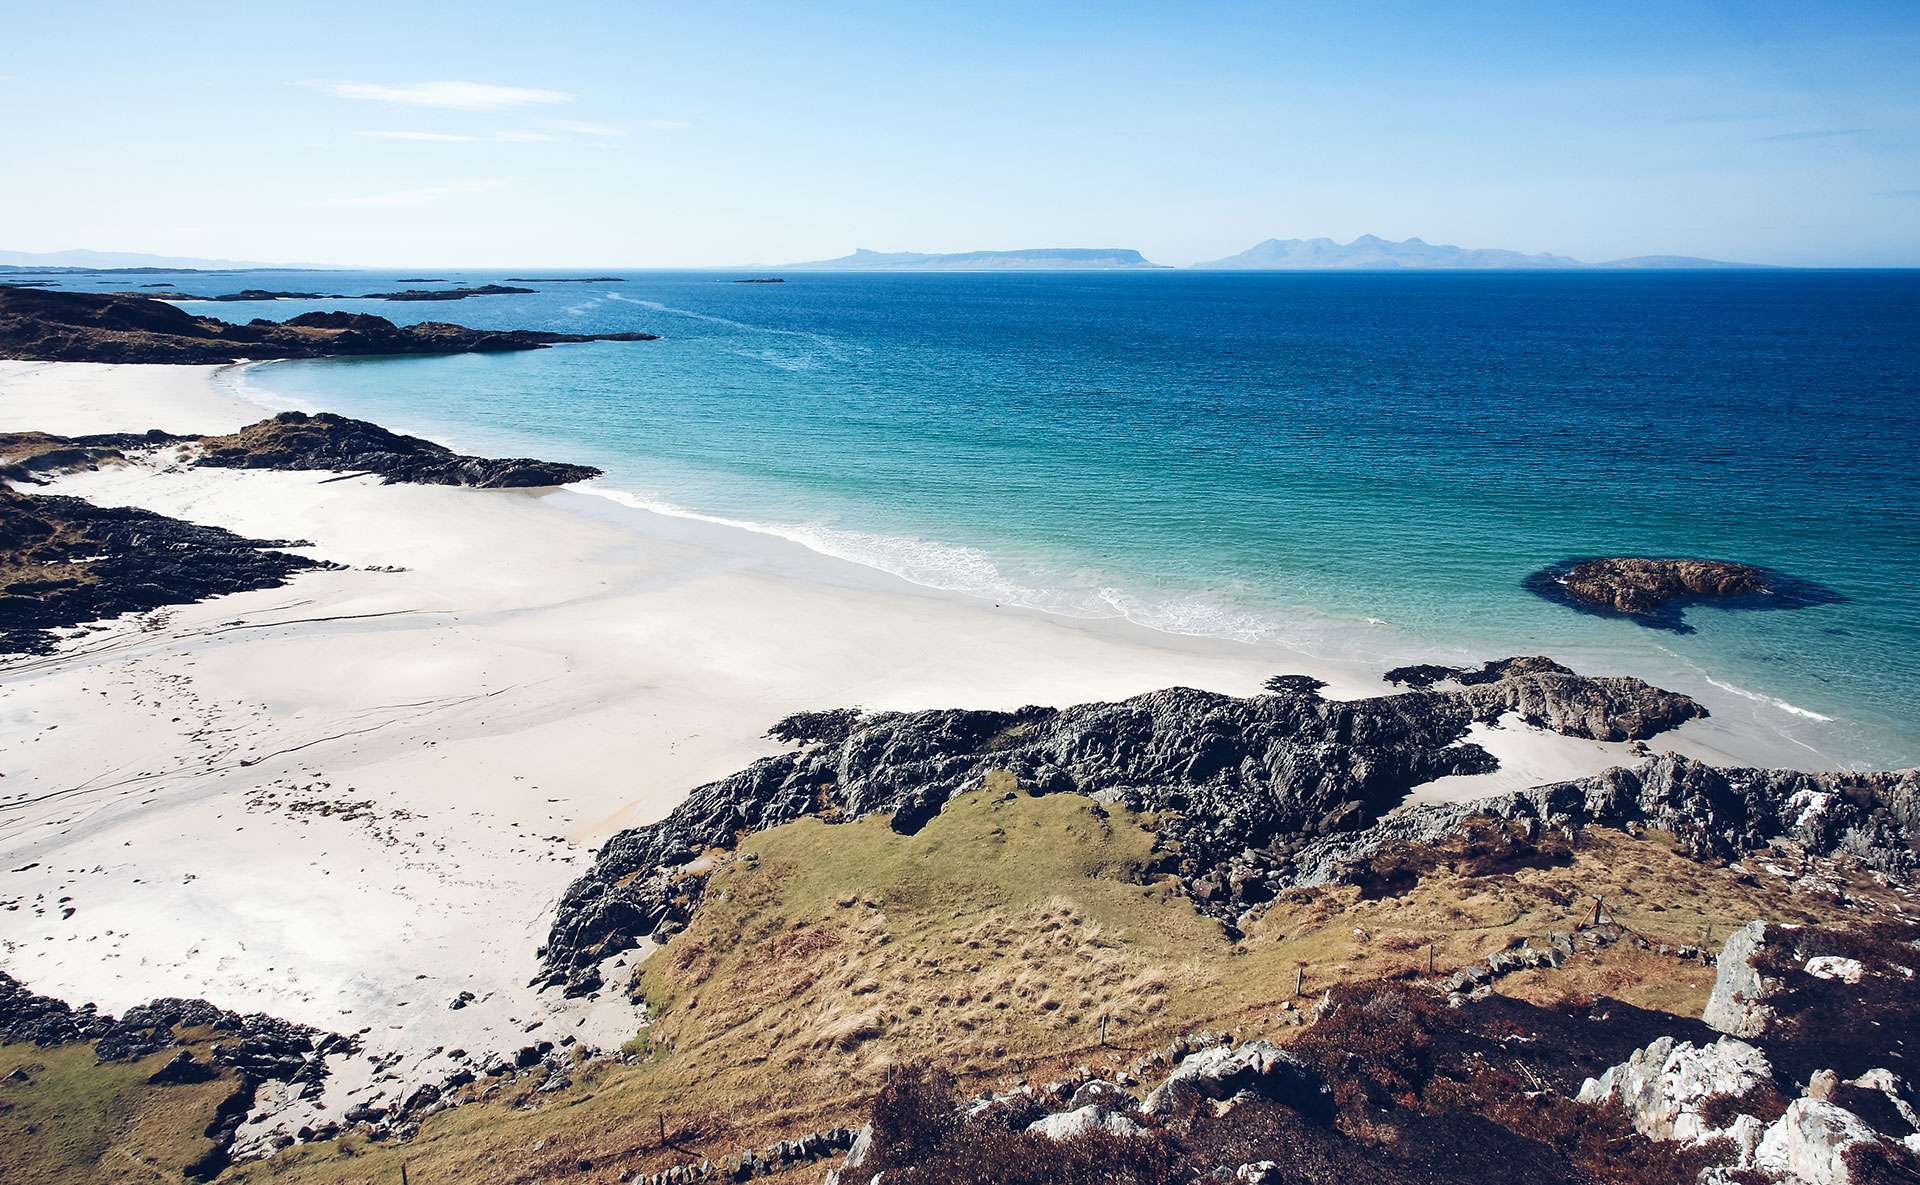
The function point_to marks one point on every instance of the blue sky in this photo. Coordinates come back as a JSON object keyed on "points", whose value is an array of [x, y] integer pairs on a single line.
{"points": [[638, 134]]}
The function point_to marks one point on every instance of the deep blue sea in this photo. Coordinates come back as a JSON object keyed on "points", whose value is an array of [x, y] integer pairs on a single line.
{"points": [[1360, 465]]}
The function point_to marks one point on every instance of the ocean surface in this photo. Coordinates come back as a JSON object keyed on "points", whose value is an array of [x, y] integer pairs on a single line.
{"points": [[1360, 466]]}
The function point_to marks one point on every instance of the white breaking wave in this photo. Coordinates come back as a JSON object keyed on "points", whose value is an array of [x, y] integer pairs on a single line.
{"points": [[1757, 697], [954, 568], [657, 307], [235, 379]]}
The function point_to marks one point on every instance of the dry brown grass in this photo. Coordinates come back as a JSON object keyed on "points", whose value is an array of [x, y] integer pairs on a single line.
{"points": [[993, 941]]}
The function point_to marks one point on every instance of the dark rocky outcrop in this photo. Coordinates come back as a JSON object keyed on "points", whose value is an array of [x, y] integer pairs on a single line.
{"points": [[64, 561], [1654, 592], [1236, 784], [261, 1047], [295, 440], [1715, 812], [44, 325], [30, 458]]}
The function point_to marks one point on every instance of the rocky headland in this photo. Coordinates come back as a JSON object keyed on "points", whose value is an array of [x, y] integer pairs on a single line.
{"points": [[43, 325], [1242, 787], [65, 561], [1654, 592]]}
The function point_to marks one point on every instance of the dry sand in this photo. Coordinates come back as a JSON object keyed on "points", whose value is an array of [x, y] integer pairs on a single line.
{"points": [[346, 800]]}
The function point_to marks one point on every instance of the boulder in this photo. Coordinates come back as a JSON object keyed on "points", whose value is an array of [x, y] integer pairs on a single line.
{"points": [[1259, 1067], [1809, 1143], [1080, 1120]]}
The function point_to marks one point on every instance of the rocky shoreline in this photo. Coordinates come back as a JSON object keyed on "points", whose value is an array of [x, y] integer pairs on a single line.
{"points": [[65, 562], [1239, 786], [42, 325]]}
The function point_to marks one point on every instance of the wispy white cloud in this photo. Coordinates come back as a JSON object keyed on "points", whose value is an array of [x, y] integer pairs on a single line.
{"points": [[437, 136], [457, 96], [415, 197], [519, 137], [591, 129]]}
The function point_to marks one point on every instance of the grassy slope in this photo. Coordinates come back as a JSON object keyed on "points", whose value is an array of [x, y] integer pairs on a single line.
{"points": [[993, 941], [77, 1121]]}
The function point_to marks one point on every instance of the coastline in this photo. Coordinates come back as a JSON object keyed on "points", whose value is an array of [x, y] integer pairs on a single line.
{"points": [[348, 799]]}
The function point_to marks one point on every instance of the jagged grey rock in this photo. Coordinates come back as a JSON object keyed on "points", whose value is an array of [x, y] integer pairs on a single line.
{"points": [[1735, 1005], [1662, 1085]]}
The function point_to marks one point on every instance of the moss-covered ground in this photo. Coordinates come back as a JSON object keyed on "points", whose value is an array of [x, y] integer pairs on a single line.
{"points": [[996, 940]]}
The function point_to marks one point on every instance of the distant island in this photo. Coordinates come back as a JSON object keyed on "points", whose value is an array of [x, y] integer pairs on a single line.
{"points": [[1033, 259], [1370, 253], [37, 325], [254, 294]]}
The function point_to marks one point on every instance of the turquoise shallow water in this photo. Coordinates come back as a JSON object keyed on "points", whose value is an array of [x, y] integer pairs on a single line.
{"points": [[1361, 465]]}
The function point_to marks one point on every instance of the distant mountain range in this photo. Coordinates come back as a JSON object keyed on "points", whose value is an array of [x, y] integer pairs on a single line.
{"points": [[99, 261], [1369, 253], [1042, 257]]}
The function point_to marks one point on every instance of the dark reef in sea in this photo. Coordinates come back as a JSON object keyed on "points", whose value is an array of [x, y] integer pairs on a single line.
{"points": [[1239, 787], [1656, 592], [47, 326]]}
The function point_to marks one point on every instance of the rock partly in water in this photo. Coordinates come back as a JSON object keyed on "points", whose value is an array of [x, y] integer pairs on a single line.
{"points": [[1654, 592]]}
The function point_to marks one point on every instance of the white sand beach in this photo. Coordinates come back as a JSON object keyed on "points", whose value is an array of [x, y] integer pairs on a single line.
{"points": [[349, 799]]}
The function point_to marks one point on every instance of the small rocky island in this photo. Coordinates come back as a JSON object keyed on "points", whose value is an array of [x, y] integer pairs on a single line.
{"points": [[37, 325], [250, 294], [1655, 591]]}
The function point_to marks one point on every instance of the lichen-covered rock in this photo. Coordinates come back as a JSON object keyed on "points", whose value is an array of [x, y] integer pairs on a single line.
{"points": [[1810, 1142], [1663, 1085], [1735, 1005]]}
